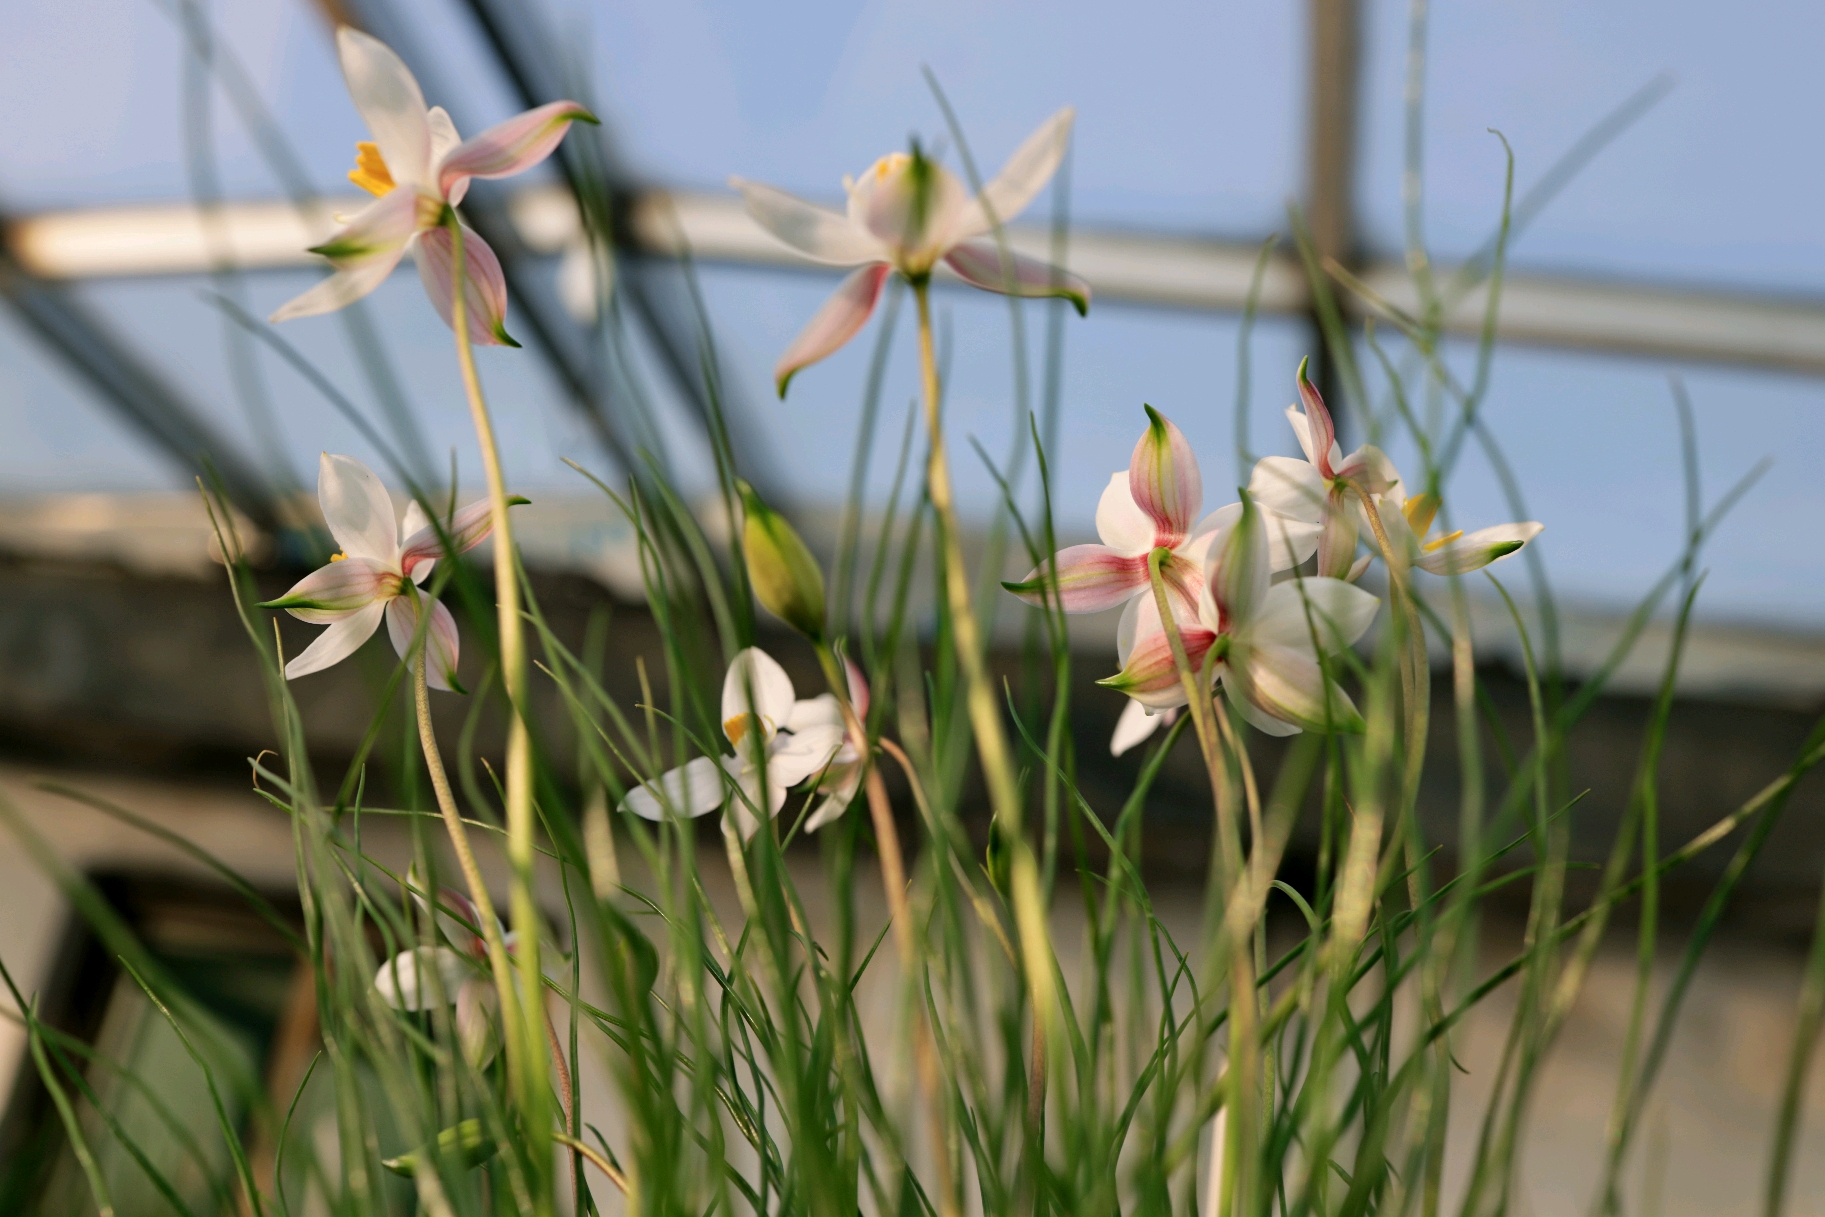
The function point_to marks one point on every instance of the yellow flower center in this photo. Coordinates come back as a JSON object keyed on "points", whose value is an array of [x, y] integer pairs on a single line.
{"points": [[891, 163], [1420, 509], [370, 172], [1438, 543], [338, 557], [735, 728]]}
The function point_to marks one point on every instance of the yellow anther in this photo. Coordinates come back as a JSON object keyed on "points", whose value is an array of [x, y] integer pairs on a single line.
{"points": [[1420, 510], [1438, 543], [338, 557], [735, 728], [370, 172]]}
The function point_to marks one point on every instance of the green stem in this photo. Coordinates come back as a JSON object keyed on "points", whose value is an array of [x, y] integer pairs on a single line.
{"points": [[525, 1035]]}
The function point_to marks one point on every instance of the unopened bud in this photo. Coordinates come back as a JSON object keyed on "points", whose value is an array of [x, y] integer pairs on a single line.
{"points": [[784, 575]]}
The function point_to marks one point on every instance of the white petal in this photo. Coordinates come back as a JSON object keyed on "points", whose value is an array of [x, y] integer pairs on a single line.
{"points": [[819, 711], [406, 981], [1478, 549], [691, 790], [1288, 486], [338, 642], [357, 509], [339, 290], [1135, 725], [391, 104], [796, 756], [1340, 614], [441, 641], [819, 234], [1127, 627], [444, 138], [476, 1002], [1288, 685], [1260, 720], [414, 521], [1121, 524], [1021, 179], [756, 673]]}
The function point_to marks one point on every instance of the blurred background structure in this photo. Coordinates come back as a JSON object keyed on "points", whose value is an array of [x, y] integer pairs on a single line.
{"points": [[168, 161]]}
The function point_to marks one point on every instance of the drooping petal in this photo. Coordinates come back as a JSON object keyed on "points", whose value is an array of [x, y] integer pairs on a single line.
{"points": [[388, 97], [1478, 549], [1288, 684], [1238, 568], [755, 683], [510, 147], [910, 203], [1021, 179], [822, 235], [1135, 725], [357, 510], [984, 264], [342, 639], [484, 301], [441, 639], [847, 310], [839, 784], [1164, 480], [339, 290], [1090, 578], [468, 528], [422, 978], [1288, 486], [334, 592], [693, 789], [1330, 613]]}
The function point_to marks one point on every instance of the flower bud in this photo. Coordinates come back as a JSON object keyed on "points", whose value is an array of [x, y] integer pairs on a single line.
{"points": [[784, 575]]}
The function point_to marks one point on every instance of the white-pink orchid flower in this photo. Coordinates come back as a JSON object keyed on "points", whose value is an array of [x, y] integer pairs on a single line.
{"points": [[779, 741], [420, 168], [428, 977], [1322, 490], [908, 213], [1266, 637], [377, 573], [1152, 505]]}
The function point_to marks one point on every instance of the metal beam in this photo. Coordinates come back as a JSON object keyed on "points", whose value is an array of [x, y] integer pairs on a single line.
{"points": [[1784, 333]]}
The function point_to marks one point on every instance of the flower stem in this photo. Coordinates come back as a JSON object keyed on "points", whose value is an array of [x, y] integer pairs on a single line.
{"points": [[525, 1035]]}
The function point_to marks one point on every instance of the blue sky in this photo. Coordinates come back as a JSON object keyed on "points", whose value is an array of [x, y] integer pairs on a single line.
{"points": [[1189, 120]]}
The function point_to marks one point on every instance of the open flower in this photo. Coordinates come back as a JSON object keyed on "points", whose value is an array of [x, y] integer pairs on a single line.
{"points": [[427, 977], [841, 776], [1408, 523], [1266, 638], [779, 741], [1322, 490], [418, 168], [1152, 506], [908, 213], [377, 573]]}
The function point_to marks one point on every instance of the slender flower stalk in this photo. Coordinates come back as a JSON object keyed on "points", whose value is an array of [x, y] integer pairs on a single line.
{"points": [[525, 1042]]}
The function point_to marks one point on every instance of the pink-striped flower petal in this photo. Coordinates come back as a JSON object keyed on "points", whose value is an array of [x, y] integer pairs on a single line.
{"points": [[357, 509], [1164, 480], [1319, 437], [466, 529], [1151, 675], [847, 310], [511, 147], [379, 231], [818, 234], [981, 264], [1021, 179], [441, 639], [331, 593], [391, 104], [1337, 533], [1090, 578], [342, 639], [339, 290], [484, 301]]}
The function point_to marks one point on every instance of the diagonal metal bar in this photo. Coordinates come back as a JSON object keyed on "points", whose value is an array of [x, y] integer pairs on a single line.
{"points": [[135, 392]]}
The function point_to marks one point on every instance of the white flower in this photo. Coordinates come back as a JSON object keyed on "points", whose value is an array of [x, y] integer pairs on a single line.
{"points": [[779, 741], [908, 213], [423, 978]]}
